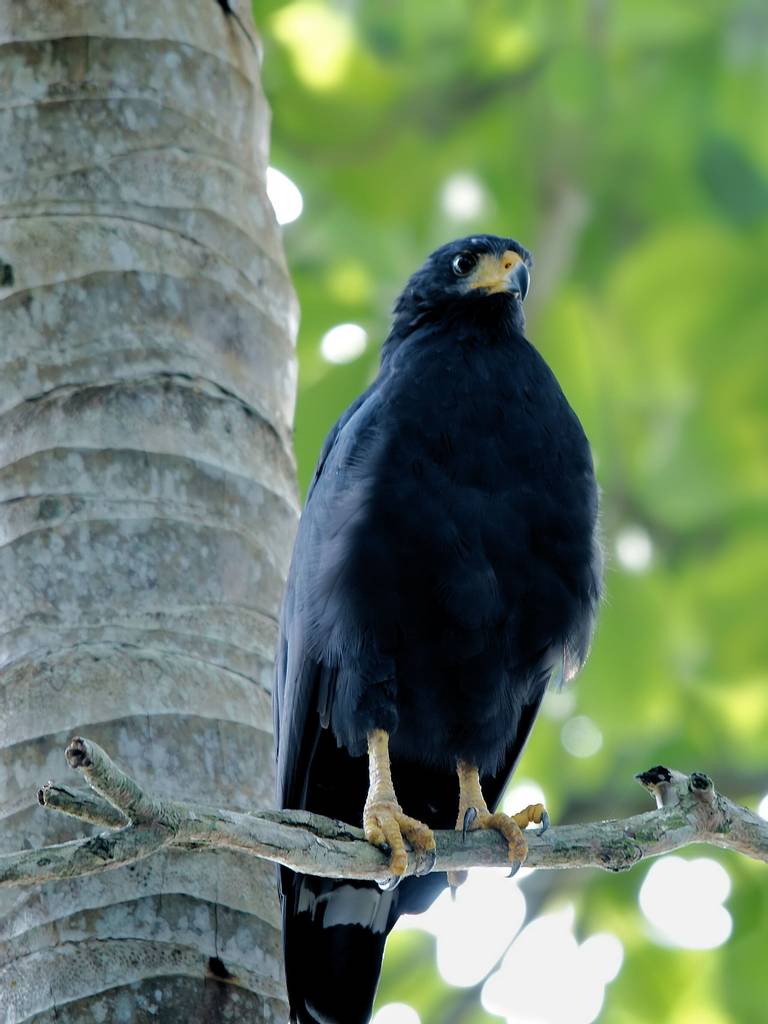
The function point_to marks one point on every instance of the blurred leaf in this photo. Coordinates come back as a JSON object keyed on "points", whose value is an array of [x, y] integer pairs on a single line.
{"points": [[733, 181]]}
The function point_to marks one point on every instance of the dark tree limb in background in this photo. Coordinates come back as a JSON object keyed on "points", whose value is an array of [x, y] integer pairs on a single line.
{"points": [[689, 810]]}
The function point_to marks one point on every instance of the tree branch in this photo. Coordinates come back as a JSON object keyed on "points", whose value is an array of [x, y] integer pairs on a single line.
{"points": [[689, 810]]}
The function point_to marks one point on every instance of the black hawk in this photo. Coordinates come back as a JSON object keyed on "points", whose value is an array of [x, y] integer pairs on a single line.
{"points": [[446, 569]]}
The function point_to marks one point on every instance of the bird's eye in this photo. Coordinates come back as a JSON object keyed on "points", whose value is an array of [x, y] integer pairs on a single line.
{"points": [[463, 263]]}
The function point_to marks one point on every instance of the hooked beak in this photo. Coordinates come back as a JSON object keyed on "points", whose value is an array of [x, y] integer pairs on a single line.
{"points": [[519, 281], [505, 273]]}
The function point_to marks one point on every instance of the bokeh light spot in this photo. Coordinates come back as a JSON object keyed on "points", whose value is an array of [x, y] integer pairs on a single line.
{"points": [[343, 343], [396, 1013], [604, 954], [581, 737], [488, 904], [762, 808], [548, 978], [512, 46], [634, 548], [284, 195], [463, 197], [559, 704], [682, 901], [522, 793], [319, 40], [349, 283]]}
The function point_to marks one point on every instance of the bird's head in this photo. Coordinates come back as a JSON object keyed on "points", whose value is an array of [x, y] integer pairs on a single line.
{"points": [[475, 275]]}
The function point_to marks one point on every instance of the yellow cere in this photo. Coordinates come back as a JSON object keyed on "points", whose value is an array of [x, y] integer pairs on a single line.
{"points": [[493, 271]]}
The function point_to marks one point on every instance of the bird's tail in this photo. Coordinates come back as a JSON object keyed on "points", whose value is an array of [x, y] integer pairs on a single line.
{"points": [[333, 939]]}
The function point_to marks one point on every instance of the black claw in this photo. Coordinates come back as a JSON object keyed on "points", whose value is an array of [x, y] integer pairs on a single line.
{"points": [[427, 863], [388, 884], [515, 868], [544, 823], [469, 816]]}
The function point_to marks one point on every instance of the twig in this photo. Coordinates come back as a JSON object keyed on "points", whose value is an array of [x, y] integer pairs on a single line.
{"points": [[81, 803], [689, 810]]}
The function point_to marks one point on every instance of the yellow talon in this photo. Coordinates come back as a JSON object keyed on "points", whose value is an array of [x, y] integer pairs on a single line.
{"points": [[384, 823], [533, 814], [474, 814]]}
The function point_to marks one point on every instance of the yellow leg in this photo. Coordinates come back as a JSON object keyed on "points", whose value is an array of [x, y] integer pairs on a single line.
{"points": [[474, 813], [383, 820]]}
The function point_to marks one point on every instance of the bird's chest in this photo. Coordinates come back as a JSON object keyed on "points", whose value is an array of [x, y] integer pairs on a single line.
{"points": [[477, 497], [469, 445], [474, 488]]}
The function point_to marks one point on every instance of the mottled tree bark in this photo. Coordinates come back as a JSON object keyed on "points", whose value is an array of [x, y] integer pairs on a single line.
{"points": [[147, 495]]}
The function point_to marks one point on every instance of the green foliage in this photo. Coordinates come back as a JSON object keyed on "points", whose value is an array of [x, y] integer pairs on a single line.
{"points": [[625, 144]]}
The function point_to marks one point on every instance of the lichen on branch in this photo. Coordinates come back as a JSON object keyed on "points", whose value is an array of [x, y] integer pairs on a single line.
{"points": [[689, 810]]}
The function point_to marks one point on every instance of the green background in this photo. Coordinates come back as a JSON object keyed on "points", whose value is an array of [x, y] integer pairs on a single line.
{"points": [[626, 144]]}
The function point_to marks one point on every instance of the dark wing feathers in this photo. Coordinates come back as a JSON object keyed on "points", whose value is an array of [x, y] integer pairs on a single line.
{"points": [[328, 938], [303, 684]]}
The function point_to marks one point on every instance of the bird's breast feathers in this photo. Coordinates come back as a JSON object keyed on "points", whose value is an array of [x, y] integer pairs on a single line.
{"points": [[460, 476]]}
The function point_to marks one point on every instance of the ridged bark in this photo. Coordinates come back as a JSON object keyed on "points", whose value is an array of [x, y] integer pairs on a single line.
{"points": [[147, 495]]}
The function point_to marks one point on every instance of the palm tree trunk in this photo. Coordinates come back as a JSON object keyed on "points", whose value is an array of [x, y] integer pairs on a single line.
{"points": [[147, 495]]}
